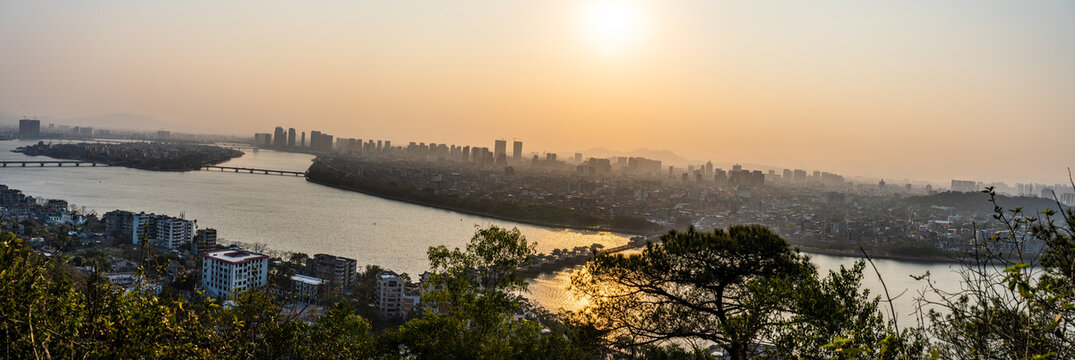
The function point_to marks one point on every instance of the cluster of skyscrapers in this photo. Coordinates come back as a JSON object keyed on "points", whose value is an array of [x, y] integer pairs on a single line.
{"points": [[291, 139]]}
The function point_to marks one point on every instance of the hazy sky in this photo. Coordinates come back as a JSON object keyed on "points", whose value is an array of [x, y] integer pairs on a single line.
{"points": [[928, 90]]}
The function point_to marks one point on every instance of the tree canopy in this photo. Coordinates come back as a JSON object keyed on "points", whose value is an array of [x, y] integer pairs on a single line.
{"points": [[744, 289]]}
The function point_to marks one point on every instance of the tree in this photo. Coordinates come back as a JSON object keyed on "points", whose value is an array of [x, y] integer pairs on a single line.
{"points": [[298, 259], [835, 318], [470, 313], [739, 288], [727, 287]]}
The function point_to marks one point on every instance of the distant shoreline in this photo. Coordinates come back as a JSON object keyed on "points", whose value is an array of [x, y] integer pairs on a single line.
{"points": [[850, 254], [905, 258], [479, 213]]}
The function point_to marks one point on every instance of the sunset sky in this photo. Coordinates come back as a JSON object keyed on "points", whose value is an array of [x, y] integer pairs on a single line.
{"points": [[931, 90]]}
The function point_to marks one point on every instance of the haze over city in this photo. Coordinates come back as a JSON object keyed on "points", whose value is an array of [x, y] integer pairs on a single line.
{"points": [[537, 179], [916, 89]]}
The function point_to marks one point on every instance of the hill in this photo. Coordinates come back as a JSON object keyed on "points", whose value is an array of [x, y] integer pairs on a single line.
{"points": [[979, 202]]}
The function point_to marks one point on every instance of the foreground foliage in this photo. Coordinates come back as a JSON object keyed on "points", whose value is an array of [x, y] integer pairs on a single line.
{"points": [[743, 289], [1014, 304], [45, 312]]}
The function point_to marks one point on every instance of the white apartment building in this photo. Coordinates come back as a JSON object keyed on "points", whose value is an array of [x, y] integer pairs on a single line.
{"points": [[161, 230], [174, 232], [390, 290], [228, 272], [306, 289]]}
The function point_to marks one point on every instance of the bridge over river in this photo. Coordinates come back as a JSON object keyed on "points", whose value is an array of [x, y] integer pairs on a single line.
{"points": [[43, 163], [255, 170]]}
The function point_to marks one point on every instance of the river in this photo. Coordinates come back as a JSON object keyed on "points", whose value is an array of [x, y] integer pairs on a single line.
{"points": [[290, 214]]}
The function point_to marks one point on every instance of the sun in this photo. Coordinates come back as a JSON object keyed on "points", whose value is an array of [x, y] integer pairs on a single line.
{"points": [[611, 26]]}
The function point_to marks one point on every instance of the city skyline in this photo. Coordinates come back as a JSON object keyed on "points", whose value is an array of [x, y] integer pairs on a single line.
{"points": [[916, 90]]}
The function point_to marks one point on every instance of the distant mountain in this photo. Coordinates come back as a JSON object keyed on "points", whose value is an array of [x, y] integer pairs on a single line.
{"points": [[666, 157], [114, 121], [669, 158], [979, 202], [122, 121]]}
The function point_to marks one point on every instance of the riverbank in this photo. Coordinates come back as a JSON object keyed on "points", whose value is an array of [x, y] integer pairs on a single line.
{"points": [[481, 213], [858, 254], [648, 235]]}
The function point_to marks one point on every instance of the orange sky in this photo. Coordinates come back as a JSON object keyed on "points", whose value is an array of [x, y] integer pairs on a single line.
{"points": [[928, 90]]}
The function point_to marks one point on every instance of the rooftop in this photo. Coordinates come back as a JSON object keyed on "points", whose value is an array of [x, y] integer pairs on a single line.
{"points": [[388, 274], [234, 256], [307, 279]]}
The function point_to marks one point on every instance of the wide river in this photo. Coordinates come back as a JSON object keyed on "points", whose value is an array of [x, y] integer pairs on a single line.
{"points": [[289, 214]]}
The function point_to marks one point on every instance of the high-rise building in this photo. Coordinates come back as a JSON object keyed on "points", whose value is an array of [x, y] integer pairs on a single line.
{"points": [[315, 138], [500, 147], [326, 143], [262, 139], [29, 129], [578, 158], [500, 151], [800, 175], [307, 289], [1067, 199], [279, 139], [228, 272], [303, 143], [291, 137], [964, 186], [517, 151], [341, 271], [643, 166], [204, 240], [173, 232], [390, 290], [160, 230], [119, 223]]}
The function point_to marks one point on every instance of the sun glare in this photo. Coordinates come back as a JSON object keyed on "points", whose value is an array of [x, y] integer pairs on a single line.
{"points": [[611, 26]]}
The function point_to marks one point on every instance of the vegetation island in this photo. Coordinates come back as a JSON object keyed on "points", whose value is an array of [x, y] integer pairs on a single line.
{"points": [[157, 156]]}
